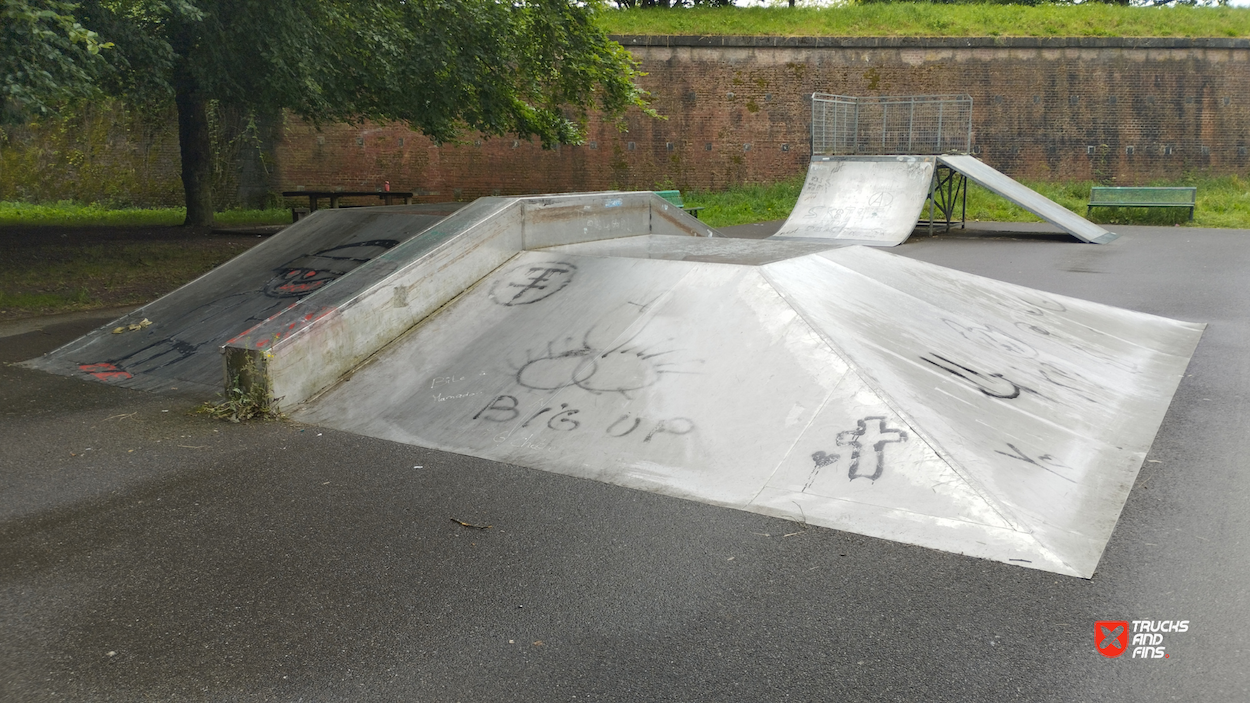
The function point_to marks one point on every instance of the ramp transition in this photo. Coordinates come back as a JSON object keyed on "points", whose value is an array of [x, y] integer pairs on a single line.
{"points": [[860, 199], [848, 388]]}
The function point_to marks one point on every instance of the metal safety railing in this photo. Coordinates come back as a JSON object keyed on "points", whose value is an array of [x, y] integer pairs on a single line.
{"points": [[901, 124]]}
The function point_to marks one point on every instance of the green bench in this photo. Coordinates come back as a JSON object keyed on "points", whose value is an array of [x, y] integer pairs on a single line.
{"points": [[1143, 196], [674, 197]]}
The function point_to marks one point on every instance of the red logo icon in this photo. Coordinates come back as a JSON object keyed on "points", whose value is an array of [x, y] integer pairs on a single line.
{"points": [[1111, 637]]}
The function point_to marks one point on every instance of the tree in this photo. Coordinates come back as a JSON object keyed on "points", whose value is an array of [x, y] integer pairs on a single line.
{"points": [[528, 67], [46, 56]]}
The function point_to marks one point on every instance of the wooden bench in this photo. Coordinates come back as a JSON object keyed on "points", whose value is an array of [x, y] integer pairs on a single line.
{"points": [[674, 197], [388, 197], [1142, 196]]}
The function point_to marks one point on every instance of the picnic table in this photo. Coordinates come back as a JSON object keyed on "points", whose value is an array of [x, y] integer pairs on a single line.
{"points": [[388, 196]]}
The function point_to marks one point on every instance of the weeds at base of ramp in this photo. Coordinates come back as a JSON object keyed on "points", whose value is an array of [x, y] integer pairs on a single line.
{"points": [[244, 401]]}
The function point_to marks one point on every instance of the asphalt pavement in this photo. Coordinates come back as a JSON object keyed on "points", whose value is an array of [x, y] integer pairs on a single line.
{"points": [[148, 552]]}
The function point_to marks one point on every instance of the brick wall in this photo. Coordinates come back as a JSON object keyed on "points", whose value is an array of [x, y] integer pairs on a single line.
{"points": [[104, 152], [1105, 108], [108, 152]]}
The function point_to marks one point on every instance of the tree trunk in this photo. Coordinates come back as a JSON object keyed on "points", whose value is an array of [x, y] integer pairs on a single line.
{"points": [[196, 148]]}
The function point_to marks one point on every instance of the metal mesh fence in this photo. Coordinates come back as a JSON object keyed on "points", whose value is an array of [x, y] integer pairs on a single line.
{"points": [[904, 124]]}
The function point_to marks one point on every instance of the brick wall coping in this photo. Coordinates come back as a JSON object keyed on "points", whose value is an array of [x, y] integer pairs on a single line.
{"points": [[934, 42]]}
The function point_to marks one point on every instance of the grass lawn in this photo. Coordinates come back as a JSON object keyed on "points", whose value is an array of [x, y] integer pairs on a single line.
{"points": [[934, 20], [1222, 202], [69, 213], [49, 269], [66, 256]]}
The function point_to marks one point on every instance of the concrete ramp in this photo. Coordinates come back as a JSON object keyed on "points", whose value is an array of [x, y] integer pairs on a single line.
{"points": [[873, 200], [995, 181], [848, 388], [179, 348]]}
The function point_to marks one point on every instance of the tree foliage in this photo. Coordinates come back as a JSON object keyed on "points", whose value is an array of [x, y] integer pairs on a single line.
{"points": [[440, 65], [534, 68], [46, 55]]}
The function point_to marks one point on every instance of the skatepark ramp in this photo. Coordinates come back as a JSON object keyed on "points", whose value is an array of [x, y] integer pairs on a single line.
{"points": [[999, 183], [873, 200], [608, 336], [877, 200], [877, 160], [306, 347], [175, 342], [839, 386]]}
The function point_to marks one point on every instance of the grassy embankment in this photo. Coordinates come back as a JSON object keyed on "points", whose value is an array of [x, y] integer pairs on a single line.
{"points": [[52, 277], [928, 20]]}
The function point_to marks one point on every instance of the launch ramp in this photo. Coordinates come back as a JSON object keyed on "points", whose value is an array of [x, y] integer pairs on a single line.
{"points": [[997, 182], [175, 342], [848, 388], [877, 200]]}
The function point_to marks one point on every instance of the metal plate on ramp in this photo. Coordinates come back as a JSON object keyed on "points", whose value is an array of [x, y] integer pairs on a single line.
{"points": [[993, 180], [873, 200], [850, 388]]}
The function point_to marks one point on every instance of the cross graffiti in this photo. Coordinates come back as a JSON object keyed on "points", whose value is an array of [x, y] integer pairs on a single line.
{"points": [[870, 433]]}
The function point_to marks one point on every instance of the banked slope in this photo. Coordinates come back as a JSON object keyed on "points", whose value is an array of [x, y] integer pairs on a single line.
{"points": [[179, 348], [848, 388]]}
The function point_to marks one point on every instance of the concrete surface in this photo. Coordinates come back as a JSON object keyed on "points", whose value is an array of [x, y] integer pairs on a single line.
{"points": [[149, 553]]}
